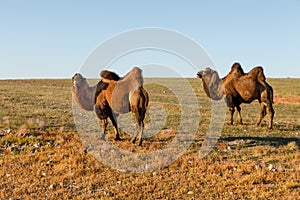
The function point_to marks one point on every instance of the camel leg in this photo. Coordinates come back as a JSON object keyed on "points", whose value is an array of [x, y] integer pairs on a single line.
{"points": [[140, 128], [137, 120], [101, 114], [141, 118], [267, 100], [271, 114], [231, 110], [136, 134], [134, 138], [240, 120], [114, 122], [104, 125], [262, 113]]}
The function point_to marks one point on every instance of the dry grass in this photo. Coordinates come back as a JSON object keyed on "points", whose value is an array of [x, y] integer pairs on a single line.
{"points": [[43, 157], [287, 99]]}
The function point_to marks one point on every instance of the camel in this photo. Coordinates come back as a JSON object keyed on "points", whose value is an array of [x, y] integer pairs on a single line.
{"points": [[239, 87], [114, 96]]}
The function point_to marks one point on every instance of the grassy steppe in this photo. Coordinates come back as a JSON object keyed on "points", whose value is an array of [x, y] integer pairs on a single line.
{"points": [[43, 157]]}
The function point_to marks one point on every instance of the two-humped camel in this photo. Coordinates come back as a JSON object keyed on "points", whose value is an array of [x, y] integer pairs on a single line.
{"points": [[113, 96], [239, 87]]}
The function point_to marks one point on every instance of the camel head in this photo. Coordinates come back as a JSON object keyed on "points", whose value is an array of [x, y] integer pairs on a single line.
{"points": [[212, 84], [209, 76], [82, 93], [207, 73], [78, 80]]}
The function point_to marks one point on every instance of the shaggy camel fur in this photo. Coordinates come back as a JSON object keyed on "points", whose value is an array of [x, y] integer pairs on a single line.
{"points": [[120, 97], [239, 87]]}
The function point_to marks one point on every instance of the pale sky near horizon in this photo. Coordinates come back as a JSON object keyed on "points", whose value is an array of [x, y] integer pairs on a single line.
{"points": [[52, 39]]}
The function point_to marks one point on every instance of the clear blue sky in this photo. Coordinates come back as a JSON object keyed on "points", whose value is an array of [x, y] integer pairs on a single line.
{"points": [[51, 39]]}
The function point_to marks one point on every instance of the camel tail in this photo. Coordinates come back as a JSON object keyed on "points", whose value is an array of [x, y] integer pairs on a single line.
{"points": [[144, 101], [146, 97], [269, 90], [259, 73]]}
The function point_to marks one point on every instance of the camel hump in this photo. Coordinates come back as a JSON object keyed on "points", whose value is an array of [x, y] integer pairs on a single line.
{"points": [[134, 77], [236, 67], [124, 88], [236, 71], [105, 74], [258, 74]]}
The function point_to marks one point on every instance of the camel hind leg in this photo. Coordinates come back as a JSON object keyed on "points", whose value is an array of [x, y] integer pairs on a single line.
{"points": [[263, 112], [139, 115], [140, 132], [271, 114], [270, 106], [139, 103], [266, 104]]}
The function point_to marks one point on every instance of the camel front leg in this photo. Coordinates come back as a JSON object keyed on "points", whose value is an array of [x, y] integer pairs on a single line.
{"points": [[271, 114], [231, 111], [102, 115], [240, 120], [115, 124], [104, 126]]}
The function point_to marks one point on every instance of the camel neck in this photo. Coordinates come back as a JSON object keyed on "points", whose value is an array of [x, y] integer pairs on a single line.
{"points": [[213, 88]]}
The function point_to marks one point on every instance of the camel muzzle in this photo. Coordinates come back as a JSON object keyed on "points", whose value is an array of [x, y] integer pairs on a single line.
{"points": [[199, 74]]}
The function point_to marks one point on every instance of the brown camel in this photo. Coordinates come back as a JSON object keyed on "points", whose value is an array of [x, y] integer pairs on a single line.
{"points": [[120, 97], [112, 96], [239, 87]]}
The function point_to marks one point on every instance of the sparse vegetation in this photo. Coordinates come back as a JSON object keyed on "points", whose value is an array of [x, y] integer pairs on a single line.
{"points": [[43, 157]]}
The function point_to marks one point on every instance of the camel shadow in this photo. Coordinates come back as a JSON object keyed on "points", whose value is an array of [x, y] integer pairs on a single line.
{"points": [[271, 141]]}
